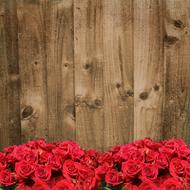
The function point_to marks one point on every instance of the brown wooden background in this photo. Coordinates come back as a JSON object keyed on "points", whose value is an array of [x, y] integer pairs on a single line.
{"points": [[101, 72]]}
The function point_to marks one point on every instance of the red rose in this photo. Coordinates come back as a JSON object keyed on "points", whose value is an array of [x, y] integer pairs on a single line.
{"points": [[46, 146], [70, 169], [100, 172], [171, 184], [131, 168], [130, 186], [42, 173], [40, 185], [148, 185], [187, 169], [24, 169], [7, 178], [31, 156], [20, 151], [77, 154], [113, 177], [151, 156], [61, 153], [23, 186], [130, 152], [9, 149], [55, 162], [183, 152], [64, 184], [84, 173], [106, 157], [177, 167], [3, 161], [149, 143], [150, 171], [44, 157], [162, 161], [68, 146], [90, 184]]}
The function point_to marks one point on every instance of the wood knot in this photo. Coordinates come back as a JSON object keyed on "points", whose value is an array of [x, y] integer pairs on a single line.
{"points": [[118, 85], [27, 112], [156, 87], [143, 95], [66, 65], [70, 109], [130, 93], [98, 102], [178, 24], [87, 66], [170, 40]]}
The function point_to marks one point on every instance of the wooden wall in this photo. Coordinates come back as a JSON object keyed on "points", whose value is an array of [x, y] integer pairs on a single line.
{"points": [[101, 72]]}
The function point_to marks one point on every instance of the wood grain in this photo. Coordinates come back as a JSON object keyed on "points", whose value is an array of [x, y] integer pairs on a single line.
{"points": [[32, 63], [88, 47], [10, 131], [148, 68], [101, 72], [60, 70], [177, 70], [118, 72], [46, 64]]}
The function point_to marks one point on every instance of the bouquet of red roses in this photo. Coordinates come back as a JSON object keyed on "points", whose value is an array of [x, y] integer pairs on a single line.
{"points": [[143, 165]]}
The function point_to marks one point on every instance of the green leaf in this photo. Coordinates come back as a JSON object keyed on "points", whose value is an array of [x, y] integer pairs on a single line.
{"points": [[105, 188], [1, 188]]}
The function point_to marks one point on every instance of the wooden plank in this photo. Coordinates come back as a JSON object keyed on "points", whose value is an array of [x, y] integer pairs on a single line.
{"points": [[88, 73], [60, 70], [148, 68], [118, 71], [9, 76], [46, 64], [177, 68], [32, 63]]}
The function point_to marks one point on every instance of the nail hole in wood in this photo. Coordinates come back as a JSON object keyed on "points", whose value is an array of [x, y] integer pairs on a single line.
{"points": [[27, 111], [143, 95], [35, 62], [66, 65]]}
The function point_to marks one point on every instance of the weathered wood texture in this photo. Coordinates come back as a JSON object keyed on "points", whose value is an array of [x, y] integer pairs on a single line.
{"points": [[46, 69], [176, 113], [101, 72], [148, 68], [10, 130]]}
